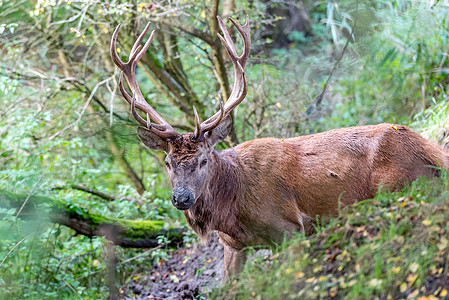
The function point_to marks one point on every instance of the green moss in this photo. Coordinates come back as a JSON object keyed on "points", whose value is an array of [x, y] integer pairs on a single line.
{"points": [[132, 229]]}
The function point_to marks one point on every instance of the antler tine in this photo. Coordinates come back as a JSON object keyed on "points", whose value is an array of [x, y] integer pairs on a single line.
{"points": [[161, 127], [197, 131], [244, 31], [134, 112], [206, 126], [122, 89], [238, 93], [113, 48], [160, 130], [230, 105], [226, 40], [140, 38]]}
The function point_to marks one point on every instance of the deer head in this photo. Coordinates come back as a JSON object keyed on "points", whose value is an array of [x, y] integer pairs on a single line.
{"points": [[189, 156]]}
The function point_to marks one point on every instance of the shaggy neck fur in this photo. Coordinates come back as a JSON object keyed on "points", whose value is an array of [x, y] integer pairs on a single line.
{"points": [[216, 208]]}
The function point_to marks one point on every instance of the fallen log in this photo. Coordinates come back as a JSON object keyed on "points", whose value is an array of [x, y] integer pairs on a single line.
{"points": [[122, 232]]}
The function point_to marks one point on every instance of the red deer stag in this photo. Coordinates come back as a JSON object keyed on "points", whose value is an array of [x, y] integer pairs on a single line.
{"points": [[261, 191]]}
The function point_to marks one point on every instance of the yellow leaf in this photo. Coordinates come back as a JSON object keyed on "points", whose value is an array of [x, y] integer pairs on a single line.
{"points": [[278, 104], [309, 280], [396, 270], [430, 297], [322, 278], [411, 278], [403, 287], [288, 270], [299, 274], [317, 269], [426, 222], [443, 293]]}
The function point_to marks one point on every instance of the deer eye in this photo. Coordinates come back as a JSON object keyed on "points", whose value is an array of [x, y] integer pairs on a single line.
{"points": [[203, 162]]}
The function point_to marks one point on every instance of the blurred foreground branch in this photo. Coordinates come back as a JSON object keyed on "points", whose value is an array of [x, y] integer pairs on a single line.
{"points": [[122, 232]]}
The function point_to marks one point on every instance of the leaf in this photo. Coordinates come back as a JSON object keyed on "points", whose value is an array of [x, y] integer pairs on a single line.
{"points": [[375, 282], [403, 287], [322, 278], [174, 278], [442, 244], [413, 267], [427, 222], [411, 278]]}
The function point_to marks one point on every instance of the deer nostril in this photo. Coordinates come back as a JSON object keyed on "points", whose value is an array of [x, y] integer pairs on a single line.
{"points": [[173, 199]]}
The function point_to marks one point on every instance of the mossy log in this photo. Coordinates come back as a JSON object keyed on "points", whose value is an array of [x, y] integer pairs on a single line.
{"points": [[122, 232]]}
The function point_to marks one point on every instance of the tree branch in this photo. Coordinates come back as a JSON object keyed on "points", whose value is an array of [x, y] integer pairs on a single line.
{"points": [[87, 190], [187, 28]]}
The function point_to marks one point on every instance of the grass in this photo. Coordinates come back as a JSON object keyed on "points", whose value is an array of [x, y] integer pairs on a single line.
{"points": [[394, 246]]}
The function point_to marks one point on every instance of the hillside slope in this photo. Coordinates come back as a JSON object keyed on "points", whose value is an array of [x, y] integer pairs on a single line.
{"points": [[390, 247]]}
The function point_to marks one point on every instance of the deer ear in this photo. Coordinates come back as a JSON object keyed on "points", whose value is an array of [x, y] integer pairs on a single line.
{"points": [[220, 132], [152, 140]]}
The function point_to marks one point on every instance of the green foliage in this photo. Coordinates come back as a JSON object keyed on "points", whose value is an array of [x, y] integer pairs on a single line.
{"points": [[396, 70], [393, 246], [60, 119]]}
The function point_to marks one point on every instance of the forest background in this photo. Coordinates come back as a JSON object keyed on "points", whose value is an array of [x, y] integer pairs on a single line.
{"points": [[66, 133]]}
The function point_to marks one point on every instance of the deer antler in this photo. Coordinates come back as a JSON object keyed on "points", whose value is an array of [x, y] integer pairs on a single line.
{"points": [[239, 63], [161, 127]]}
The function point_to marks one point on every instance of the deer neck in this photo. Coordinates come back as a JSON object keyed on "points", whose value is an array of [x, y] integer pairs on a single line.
{"points": [[216, 208]]}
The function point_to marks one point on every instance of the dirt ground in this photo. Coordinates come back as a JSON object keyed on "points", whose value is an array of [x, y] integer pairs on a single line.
{"points": [[188, 274]]}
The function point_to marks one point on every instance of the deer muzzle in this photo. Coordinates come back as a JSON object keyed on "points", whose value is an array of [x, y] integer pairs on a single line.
{"points": [[182, 198]]}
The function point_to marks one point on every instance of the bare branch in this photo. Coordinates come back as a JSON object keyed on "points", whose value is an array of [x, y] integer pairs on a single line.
{"points": [[83, 109]]}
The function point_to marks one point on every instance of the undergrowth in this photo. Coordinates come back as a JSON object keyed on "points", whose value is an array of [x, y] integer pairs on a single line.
{"points": [[394, 246]]}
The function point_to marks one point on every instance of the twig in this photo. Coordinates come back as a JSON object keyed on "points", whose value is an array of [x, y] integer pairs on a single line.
{"points": [[66, 283], [435, 4], [15, 246], [83, 109], [90, 191], [141, 254], [69, 20], [319, 98], [111, 101], [29, 195]]}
